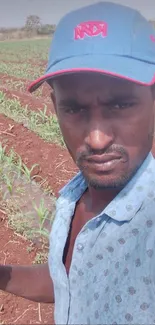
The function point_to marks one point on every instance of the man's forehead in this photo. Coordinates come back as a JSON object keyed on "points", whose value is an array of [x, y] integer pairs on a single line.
{"points": [[88, 82], [91, 79]]}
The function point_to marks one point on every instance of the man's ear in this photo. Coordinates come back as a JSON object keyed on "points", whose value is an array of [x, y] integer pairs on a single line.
{"points": [[53, 100]]}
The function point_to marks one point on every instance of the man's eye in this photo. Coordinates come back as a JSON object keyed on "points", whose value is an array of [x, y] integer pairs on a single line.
{"points": [[122, 105], [74, 110]]}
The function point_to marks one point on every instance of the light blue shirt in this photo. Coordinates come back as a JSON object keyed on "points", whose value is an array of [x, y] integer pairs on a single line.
{"points": [[112, 273]]}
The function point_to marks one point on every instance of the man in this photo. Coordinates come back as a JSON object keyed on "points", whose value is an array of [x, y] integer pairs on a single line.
{"points": [[101, 267]]}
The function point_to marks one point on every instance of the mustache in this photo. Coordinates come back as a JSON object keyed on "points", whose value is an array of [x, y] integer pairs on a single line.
{"points": [[84, 155]]}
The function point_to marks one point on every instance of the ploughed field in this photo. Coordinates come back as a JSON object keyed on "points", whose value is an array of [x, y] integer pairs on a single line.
{"points": [[34, 165]]}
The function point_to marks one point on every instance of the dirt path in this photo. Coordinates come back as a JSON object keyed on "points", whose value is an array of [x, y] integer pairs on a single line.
{"points": [[13, 310]]}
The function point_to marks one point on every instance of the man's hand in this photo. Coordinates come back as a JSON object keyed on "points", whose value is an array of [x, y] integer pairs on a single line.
{"points": [[29, 282]]}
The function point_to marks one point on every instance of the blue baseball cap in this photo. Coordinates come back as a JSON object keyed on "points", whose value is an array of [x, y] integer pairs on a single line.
{"points": [[103, 38]]}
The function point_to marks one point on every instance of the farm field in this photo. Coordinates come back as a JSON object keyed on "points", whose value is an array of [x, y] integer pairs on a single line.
{"points": [[34, 165]]}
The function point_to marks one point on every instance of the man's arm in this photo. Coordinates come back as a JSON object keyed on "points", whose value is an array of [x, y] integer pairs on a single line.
{"points": [[29, 282]]}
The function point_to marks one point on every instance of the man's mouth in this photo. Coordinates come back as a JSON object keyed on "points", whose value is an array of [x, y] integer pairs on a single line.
{"points": [[105, 158], [105, 162]]}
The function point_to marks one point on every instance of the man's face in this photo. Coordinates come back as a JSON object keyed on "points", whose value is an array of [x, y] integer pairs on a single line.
{"points": [[107, 124]]}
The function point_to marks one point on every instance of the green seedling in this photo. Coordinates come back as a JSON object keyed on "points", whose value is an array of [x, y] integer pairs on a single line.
{"points": [[2, 153], [11, 158], [43, 114], [19, 167], [30, 249], [41, 258], [28, 172], [2, 97], [43, 215], [9, 183]]}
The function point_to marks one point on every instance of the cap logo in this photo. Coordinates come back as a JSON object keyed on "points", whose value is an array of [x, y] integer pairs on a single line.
{"points": [[90, 29]]}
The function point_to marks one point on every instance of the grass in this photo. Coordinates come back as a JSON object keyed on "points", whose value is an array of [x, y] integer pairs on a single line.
{"points": [[15, 85], [39, 122], [25, 50], [24, 70], [17, 190], [41, 257], [20, 85]]}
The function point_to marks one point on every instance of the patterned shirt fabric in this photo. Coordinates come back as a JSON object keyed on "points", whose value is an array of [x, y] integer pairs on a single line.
{"points": [[112, 274]]}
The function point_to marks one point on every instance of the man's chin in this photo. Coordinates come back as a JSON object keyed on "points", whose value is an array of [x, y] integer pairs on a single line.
{"points": [[109, 182]]}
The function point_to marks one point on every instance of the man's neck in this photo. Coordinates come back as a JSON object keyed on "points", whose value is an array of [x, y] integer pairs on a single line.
{"points": [[97, 199]]}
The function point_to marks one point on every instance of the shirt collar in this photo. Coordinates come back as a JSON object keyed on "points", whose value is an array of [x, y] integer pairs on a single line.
{"points": [[74, 189], [127, 203]]}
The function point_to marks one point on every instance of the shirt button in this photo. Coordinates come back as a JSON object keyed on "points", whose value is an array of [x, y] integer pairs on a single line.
{"points": [[80, 247]]}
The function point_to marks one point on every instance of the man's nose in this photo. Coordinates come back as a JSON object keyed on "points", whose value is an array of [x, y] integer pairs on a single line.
{"points": [[100, 135]]}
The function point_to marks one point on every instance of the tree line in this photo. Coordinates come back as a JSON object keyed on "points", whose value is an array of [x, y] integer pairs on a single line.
{"points": [[33, 27]]}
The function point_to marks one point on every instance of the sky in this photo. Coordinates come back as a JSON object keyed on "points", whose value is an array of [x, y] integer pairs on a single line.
{"points": [[13, 13]]}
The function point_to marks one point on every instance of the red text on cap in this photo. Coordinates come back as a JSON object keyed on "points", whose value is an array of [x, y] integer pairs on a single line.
{"points": [[90, 29]]}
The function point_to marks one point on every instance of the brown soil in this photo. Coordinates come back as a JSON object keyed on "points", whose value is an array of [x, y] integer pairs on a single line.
{"points": [[55, 163], [27, 99], [14, 310]]}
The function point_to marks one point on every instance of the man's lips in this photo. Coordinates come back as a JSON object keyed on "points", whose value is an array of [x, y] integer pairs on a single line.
{"points": [[102, 159], [103, 163]]}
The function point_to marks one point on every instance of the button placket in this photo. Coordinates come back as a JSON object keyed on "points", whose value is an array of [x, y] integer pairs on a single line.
{"points": [[78, 254]]}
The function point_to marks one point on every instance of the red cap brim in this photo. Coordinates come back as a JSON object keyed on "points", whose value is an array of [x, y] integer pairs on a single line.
{"points": [[38, 82]]}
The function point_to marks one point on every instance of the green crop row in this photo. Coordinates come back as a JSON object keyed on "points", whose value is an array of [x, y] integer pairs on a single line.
{"points": [[45, 126], [27, 49], [24, 70], [18, 189]]}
